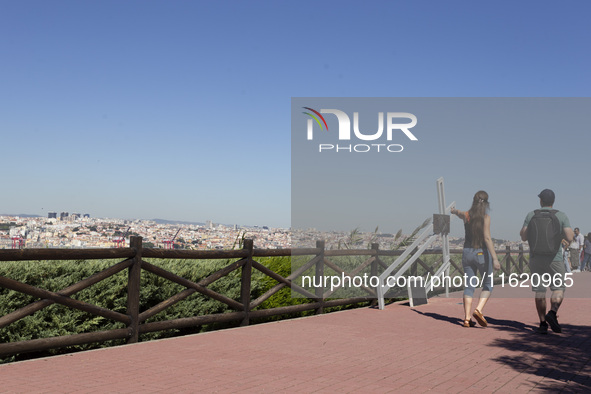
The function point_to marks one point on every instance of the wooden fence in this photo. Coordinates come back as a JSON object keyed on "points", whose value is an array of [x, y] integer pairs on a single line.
{"points": [[243, 309]]}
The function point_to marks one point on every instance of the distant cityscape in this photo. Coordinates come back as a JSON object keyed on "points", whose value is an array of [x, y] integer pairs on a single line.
{"points": [[77, 230]]}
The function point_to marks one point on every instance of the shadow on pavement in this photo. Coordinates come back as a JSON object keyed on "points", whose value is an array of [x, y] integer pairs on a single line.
{"points": [[563, 359], [453, 320], [499, 324]]}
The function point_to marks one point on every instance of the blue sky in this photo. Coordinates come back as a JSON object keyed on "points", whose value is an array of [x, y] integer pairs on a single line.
{"points": [[181, 109]]}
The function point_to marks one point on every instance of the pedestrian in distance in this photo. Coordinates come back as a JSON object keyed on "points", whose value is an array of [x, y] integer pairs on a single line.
{"points": [[576, 247], [565, 258], [586, 263], [478, 255], [544, 230]]}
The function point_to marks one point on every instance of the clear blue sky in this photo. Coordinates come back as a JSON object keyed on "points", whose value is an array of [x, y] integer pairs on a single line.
{"points": [[181, 109]]}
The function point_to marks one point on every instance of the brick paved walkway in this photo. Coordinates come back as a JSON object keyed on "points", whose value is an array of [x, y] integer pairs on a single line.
{"points": [[365, 350]]}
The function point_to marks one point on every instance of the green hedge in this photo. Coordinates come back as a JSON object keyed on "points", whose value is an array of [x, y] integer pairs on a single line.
{"points": [[57, 320]]}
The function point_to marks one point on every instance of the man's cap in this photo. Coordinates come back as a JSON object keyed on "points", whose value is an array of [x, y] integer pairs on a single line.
{"points": [[547, 195]]}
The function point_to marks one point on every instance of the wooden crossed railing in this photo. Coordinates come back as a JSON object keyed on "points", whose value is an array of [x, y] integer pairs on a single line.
{"points": [[243, 309]]}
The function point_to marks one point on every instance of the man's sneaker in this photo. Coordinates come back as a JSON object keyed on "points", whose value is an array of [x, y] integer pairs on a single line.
{"points": [[553, 321], [543, 329]]}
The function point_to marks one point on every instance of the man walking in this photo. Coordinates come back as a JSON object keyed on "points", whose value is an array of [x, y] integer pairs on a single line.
{"points": [[544, 229], [576, 246]]}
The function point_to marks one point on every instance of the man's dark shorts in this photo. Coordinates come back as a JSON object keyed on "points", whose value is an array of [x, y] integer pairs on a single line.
{"points": [[541, 265]]}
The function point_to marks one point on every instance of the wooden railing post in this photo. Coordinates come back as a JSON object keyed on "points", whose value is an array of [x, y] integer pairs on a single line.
{"points": [[521, 258], [245, 281], [374, 264], [374, 269], [133, 288], [508, 258], [320, 277]]}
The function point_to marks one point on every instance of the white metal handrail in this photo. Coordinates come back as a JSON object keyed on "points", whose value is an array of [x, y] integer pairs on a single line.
{"points": [[384, 287]]}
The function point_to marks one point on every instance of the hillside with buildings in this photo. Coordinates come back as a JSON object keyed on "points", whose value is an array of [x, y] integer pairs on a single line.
{"points": [[82, 231]]}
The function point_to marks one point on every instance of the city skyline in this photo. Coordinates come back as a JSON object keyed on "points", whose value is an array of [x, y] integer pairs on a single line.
{"points": [[85, 232], [158, 220], [181, 110]]}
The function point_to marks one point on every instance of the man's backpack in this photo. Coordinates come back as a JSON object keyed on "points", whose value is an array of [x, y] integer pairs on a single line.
{"points": [[544, 233]]}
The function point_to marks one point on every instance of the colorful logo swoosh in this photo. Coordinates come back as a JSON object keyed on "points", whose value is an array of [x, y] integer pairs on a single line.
{"points": [[315, 118]]}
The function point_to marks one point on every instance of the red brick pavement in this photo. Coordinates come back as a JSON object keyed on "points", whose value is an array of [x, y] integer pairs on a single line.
{"points": [[398, 349]]}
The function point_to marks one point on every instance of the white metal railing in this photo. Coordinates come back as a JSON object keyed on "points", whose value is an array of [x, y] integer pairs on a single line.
{"points": [[385, 278]]}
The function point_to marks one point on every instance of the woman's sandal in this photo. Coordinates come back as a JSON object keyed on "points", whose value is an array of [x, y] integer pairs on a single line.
{"points": [[469, 323], [479, 318]]}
